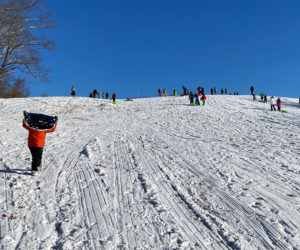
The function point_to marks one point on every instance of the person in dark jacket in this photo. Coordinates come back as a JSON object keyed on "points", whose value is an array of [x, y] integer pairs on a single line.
{"points": [[114, 97], [36, 143], [95, 93], [252, 90], [106, 95], [191, 97], [73, 91], [159, 92]]}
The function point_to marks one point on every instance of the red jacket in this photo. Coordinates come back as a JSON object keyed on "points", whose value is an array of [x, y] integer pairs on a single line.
{"points": [[203, 97], [36, 138]]}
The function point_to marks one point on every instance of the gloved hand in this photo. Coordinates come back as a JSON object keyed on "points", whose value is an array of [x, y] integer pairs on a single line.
{"points": [[25, 114], [55, 119]]}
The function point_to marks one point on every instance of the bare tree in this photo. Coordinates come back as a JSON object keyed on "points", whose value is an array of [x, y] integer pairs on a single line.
{"points": [[11, 87], [19, 42]]}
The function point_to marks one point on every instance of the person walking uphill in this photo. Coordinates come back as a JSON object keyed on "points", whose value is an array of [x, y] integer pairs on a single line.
{"points": [[36, 143]]}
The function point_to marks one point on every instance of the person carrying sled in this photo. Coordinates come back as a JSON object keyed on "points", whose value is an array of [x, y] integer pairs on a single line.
{"points": [[73, 91], [36, 143], [278, 102], [272, 102], [203, 98]]}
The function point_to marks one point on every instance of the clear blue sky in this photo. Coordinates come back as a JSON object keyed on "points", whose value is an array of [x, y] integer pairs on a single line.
{"points": [[133, 47]]}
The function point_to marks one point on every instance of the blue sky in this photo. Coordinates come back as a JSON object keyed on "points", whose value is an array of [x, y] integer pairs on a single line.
{"points": [[134, 47]]}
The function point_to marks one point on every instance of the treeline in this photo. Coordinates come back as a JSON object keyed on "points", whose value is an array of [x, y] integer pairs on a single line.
{"points": [[20, 60]]}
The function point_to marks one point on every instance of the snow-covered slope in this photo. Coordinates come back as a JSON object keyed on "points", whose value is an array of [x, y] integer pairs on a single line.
{"points": [[151, 174]]}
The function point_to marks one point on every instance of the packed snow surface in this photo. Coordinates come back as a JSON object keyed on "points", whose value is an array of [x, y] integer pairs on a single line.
{"points": [[152, 173]]}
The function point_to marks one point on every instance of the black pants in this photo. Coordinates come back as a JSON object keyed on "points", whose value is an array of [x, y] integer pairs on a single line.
{"points": [[273, 107], [37, 154]]}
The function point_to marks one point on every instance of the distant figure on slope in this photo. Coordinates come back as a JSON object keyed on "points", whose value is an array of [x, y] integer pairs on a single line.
{"points": [[36, 143], [185, 91], [73, 91], [278, 104], [226, 91], [174, 92], [215, 90], [103, 95], [252, 90], [191, 97], [211, 91], [164, 92], [272, 102], [197, 99], [265, 98], [91, 95], [222, 91], [254, 97], [159, 92], [95, 93], [203, 98], [106, 95], [261, 96], [114, 97]]}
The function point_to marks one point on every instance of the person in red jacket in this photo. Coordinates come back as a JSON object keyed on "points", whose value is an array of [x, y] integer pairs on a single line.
{"points": [[203, 98], [278, 102], [36, 143], [114, 97]]}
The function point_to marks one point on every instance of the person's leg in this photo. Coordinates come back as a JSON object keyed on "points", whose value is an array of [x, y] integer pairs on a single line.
{"points": [[37, 154]]}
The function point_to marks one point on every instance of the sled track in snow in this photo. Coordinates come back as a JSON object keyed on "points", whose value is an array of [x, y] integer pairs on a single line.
{"points": [[187, 219]]}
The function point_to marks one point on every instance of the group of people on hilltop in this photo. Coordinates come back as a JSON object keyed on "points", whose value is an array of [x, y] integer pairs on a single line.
{"points": [[95, 94], [164, 92], [264, 99]]}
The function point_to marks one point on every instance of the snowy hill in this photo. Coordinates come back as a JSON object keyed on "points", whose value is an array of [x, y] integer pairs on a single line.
{"points": [[151, 174]]}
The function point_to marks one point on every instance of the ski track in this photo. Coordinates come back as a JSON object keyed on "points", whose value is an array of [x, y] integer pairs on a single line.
{"points": [[153, 174]]}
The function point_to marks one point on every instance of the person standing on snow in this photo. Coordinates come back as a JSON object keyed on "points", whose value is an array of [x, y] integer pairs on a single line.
{"points": [[174, 92], [252, 90], [164, 92], [196, 99], [36, 143], [114, 97], [191, 97], [203, 98], [278, 104], [73, 91], [226, 91], [265, 98], [106, 95], [159, 92], [272, 102]]}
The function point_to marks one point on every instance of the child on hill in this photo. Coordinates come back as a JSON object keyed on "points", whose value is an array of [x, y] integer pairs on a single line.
{"points": [[278, 104]]}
